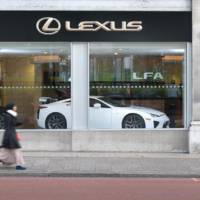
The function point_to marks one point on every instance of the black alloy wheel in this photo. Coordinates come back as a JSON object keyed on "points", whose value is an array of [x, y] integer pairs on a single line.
{"points": [[133, 121], [56, 121]]}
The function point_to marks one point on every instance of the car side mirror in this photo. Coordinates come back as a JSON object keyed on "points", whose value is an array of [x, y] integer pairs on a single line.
{"points": [[97, 105]]}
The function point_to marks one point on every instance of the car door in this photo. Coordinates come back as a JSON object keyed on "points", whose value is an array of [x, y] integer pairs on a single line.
{"points": [[100, 115]]}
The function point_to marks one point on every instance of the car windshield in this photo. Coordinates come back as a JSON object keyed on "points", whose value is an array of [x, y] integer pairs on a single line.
{"points": [[113, 102]]}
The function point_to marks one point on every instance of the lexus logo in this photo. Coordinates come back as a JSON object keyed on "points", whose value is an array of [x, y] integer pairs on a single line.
{"points": [[48, 26], [51, 26]]}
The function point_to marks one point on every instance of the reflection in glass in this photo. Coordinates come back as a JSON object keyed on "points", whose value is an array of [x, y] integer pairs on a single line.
{"points": [[140, 75], [34, 75]]}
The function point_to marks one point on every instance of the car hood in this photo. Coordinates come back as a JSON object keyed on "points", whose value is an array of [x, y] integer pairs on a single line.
{"points": [[148, 110]]}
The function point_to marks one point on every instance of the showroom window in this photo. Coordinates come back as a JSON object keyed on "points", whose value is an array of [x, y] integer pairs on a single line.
{"points": [[36, 77], [143, 85]]}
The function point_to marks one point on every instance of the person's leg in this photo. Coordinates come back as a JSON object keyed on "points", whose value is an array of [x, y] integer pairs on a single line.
{"points": [[19, 159], [7, 157], [3, 155]]}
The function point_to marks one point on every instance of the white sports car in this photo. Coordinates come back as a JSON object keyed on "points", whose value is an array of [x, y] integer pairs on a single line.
{"points": [[104, 113]]}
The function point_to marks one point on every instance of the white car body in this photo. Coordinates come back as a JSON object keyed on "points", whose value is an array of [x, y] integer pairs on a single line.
{"points": [[106, 116]]}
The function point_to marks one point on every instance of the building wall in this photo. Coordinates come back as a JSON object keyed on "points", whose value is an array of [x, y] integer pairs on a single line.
{"points": [[137, 140], [194, 133], [115, 141], [153, 5]]}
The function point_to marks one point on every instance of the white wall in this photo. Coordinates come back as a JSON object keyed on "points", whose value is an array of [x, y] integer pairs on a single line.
{"points": [[162, 5], [175, 141], [195, 125]]}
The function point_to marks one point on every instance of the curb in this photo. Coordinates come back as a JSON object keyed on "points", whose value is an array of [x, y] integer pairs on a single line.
{"points": [[99, 175]]}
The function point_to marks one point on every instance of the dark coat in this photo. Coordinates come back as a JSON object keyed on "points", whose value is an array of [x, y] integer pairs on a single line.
{"points": [[9, 138]]}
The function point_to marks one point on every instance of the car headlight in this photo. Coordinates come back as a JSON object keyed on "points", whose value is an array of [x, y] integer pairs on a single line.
{"points": [[154, 115]]}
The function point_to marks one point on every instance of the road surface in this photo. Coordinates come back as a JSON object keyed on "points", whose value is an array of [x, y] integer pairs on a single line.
{"points": [[40, 188]]}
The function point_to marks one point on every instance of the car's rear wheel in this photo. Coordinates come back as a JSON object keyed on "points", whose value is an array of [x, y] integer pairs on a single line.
{"points": [[133, 121], [56, 121]]}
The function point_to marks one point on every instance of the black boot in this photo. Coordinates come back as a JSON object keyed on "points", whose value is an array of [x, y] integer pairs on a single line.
{"points": [[19, 167]]}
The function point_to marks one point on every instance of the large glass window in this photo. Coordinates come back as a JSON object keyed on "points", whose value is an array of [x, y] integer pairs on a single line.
{"points": [[142, 85], [36, 77]]}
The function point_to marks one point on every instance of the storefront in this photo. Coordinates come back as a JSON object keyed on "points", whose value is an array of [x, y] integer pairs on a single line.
{"points": [[98, 81]]}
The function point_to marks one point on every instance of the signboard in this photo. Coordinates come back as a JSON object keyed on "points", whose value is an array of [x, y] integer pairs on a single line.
{"points": [[88, 26]]}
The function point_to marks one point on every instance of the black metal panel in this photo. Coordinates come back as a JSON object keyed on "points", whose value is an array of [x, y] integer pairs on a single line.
{"points": [[157, 26]]}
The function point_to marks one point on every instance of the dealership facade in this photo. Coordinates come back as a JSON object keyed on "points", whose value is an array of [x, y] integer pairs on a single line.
{"points": [[103, 76]]}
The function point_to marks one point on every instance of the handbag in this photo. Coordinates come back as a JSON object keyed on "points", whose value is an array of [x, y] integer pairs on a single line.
{"points": [[18, 136]]}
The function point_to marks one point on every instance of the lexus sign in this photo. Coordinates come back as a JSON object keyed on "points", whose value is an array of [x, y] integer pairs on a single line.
{"points": [[95, 26], [43, 26], [51, 26]]}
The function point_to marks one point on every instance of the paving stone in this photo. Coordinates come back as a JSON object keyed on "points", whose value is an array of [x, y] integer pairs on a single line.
{"points": [[98, 164]]}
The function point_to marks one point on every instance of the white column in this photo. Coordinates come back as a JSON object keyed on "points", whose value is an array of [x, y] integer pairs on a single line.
{"points": [[194, 133], [79, 87]]}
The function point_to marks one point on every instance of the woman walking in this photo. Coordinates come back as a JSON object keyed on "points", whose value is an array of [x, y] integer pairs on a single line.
{"points": [[10, 152]]}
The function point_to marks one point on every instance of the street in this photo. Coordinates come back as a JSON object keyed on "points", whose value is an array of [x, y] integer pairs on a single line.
{"points": [[52, 188]]}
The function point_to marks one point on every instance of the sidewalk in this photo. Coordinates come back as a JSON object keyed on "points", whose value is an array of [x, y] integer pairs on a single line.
{"points": [[107, 164]]}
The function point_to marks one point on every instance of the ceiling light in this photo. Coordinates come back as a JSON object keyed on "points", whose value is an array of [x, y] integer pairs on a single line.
{"points": [[173, 58], [46, 59]]}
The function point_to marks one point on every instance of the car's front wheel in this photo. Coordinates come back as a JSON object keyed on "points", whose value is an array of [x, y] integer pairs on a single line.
{"points": [[56, 121], [133, 121]]}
